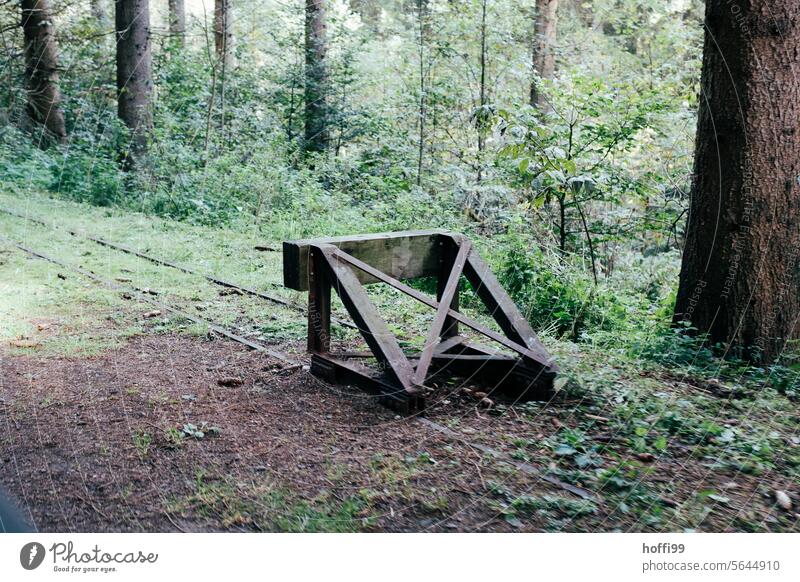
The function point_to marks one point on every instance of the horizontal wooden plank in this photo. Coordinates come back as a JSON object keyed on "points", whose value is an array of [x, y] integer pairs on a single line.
{"points": [[403, 255]]}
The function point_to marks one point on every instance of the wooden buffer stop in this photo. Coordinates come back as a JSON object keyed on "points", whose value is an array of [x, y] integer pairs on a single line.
{"points": [[346, 264]]}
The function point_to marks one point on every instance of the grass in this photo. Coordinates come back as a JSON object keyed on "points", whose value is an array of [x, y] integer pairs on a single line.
{"points": [[263, 506], [647, 435]]}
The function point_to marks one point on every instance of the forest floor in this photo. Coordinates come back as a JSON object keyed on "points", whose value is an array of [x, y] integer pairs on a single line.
{"points": [[115, 418]]}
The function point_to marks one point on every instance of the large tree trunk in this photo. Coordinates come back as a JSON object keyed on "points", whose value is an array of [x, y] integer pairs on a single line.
{"points": [[223, 33], [134, 74], [177, 21], [544, 58], [316, 89], [41, 71], [739, 280]]}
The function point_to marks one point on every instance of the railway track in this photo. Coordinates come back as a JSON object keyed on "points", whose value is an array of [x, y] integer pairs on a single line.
{"points": [[164, 263], [288, 362]]}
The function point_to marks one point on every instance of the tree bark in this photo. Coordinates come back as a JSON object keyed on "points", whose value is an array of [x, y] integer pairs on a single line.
{"points": [[369, 11], [134, 72], [177, 21], [424, 28], [480, 121], [316, 88], [99, 11], [544, 58], [739, 279], [41, 71], [223, 34]]}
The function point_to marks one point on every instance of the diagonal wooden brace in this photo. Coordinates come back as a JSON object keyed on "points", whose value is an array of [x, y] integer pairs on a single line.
{"points": [[501, 307], [538, 355], [450, 290], [371, 325]]}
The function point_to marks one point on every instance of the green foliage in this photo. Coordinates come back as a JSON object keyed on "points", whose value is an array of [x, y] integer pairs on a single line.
{"points": [[555, 297], [22, 164], [88, 172]]}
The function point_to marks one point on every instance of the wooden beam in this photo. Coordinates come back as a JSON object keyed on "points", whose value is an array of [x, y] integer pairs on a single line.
{"points": [[535, 357], [404, 255], [372, 327], [339, 371], [501, 307], [446, 260], [441, 317], [319, 303]]}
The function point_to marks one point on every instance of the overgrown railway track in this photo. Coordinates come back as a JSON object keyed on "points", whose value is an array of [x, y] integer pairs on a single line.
{"points": [[172, 265], [288, 362]]}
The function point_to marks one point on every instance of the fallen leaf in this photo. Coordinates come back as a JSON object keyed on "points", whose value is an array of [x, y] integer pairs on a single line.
{"points": [[24, 344]]}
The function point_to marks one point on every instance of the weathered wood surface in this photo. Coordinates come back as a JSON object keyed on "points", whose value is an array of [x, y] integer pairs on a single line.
{"points": [[537, 356], [373, 328], [343, 264], [403, 255], [442, 312]]}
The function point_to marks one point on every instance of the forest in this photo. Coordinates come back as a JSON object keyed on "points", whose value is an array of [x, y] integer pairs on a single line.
{"points": [[628, 170]]}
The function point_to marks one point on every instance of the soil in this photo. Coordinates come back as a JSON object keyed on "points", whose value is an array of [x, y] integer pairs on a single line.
{"points": [[89, 445], [69, 450]]}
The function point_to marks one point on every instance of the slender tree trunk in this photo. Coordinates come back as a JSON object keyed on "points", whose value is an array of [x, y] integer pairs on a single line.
{"points": [[480, 120], [316, 89], [223, 34], [424, 28], [544, 58], [41, 71], [134, 74], [102, 19], [177, 21], [369, 11], [740, 281]]}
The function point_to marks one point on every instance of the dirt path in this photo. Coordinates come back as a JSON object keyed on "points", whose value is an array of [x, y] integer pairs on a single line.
{"points": [[93, 445]]}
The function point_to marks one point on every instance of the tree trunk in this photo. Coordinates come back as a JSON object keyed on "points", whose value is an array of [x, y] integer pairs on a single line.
{"points": [[134, 74], [177, 21], [223, 34], [480, 120], [739, 279], [99, 10], [369, 11], [423, 33], [544, 58], [41, 71], [316, 89]]}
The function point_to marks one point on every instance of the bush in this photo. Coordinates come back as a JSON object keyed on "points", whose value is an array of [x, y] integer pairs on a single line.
{"points": [[87, 175], [22, 164], [556, 297]]}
